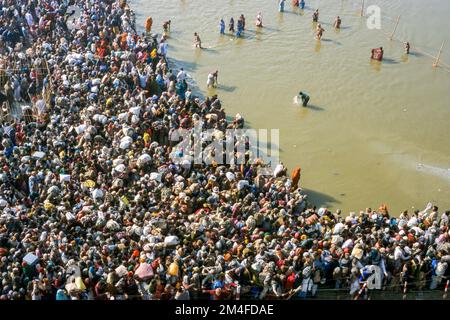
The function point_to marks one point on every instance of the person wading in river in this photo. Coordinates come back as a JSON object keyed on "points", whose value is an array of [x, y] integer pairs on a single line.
{"points": [[304, 97], [337, 22], [319, 31], [316, 16], [148, 24], [231, 26], [197, 41]]}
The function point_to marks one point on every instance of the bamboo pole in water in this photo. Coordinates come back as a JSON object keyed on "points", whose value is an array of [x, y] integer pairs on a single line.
{"points": [[436, 63], [395, 29], [362, 8]]}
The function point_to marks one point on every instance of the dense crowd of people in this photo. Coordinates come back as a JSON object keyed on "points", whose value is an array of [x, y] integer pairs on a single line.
{"points": [[93, 206]]}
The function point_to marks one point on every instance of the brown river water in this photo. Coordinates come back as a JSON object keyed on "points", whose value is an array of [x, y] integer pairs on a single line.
{"points": [[374, 133]]}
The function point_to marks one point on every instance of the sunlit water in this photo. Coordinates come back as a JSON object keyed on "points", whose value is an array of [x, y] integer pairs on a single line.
{"points": [[373, 133]]}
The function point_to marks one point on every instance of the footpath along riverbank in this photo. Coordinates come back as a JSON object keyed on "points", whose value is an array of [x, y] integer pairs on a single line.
{"points": [[94, 206]]}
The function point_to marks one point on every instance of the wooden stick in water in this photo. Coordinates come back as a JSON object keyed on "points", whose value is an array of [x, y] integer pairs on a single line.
{"points": [[436, 63], [362, 8], [395, 29]]}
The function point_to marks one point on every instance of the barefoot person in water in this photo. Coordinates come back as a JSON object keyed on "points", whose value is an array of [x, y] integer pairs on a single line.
{"points": [[304, 97], [148, 24], [319, 31], [302, 4], [337, 22], [315, 16], [212, 79], [231, 26], [166, 25], [407, 47], [259, 20], [222, 26], [377, 54], [197, 41]]}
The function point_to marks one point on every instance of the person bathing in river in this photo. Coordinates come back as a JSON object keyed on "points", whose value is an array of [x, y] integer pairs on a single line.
{"points": [[377, 54], [295, 3], [319, 31], [304, 97], [197, 41], [281, 5], [259, 20], [242, 18], [316, 16], [212, 79], [148, 24], [231, 25], [240, 27], [302, 4], [337, 22], [166, 25], [222, 26], [407, 47]]}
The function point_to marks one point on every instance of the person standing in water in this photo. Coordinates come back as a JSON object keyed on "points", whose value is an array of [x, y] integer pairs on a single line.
{"points": [[319, 31], [304, 97], [222, 26], [231, 25], [166, 25], [316, 16], [259, 20], [337, 22], [377, 54], [212, 79], [302, 4], [148, 24], [281, 5], [407, 47], [242, 18], [197, 41], [216, 77], [240, 27]]}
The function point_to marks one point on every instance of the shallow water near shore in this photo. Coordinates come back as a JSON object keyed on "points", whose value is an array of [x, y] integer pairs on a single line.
{"points": [[374, 133]]}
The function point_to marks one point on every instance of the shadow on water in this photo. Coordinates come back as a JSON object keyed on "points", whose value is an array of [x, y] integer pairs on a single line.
{"points": [[187, 66], [314, 107], [226, 88], [331, 41], [295, 13], [210, 50], [416, 54], [320, 199], [390, 61], [174, 34], [266, 28], [172, 48]]}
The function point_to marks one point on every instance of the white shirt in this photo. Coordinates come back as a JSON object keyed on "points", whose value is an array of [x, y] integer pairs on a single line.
{"points": [[163, 48], [181, 75], [29, 19]]}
